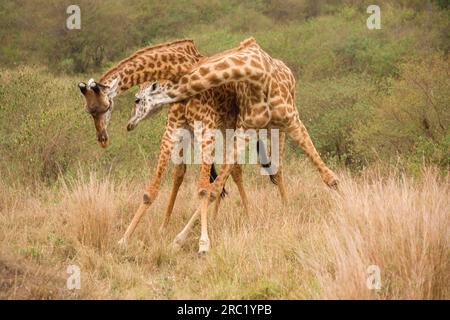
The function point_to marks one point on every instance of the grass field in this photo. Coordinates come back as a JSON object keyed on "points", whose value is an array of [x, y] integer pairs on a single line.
{"points": [[375, 103], [318, 246]]}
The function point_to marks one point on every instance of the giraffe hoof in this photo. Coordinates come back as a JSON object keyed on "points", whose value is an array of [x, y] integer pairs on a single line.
{"points": [[330, 179], [203, 247], [178, 242], [334, 184]]}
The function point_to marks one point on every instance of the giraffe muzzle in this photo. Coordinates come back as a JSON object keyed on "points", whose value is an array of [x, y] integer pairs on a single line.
{"points": [[102, 138], [131, 126]]}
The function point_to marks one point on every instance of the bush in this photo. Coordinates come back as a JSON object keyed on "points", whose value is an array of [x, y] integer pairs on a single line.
{"points": [[45, 131], [414, 120]]}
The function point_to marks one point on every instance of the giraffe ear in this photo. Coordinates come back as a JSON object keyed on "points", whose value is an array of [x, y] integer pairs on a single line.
{"points": [[112, 88], [154, 86]]}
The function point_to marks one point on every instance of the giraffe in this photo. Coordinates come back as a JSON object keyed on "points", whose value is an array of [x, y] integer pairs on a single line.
{"points": [[221, 110], [165, 61], [265, 90], [219, 102]]}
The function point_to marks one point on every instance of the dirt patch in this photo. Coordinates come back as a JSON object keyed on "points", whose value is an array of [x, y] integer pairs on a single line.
{"points": [[19, 281]]}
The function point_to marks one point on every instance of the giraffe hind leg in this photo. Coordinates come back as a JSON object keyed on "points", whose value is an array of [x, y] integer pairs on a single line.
{"points": [[178, 177], [264, 161], [213, 177], [300, 135]]}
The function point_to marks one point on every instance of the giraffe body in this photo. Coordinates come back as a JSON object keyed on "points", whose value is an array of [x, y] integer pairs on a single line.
{"points": [[221, 110], [167, 61], [265, 93]]}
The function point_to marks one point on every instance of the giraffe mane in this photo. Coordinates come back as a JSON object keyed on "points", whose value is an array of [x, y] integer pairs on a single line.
{"points": [[247, 42], [142, 52]]}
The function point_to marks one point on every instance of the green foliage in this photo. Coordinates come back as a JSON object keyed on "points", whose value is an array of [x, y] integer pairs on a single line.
{"points": [[363, 94], [413, 121], [47, 133], [332, 109]]}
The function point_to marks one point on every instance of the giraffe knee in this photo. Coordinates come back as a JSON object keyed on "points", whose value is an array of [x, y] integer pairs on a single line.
{"points": [[146, 199], [149, 196], [202, 193]]}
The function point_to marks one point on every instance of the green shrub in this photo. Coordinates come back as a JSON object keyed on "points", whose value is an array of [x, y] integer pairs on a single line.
{"points": [[413, 121], [45, 131]]}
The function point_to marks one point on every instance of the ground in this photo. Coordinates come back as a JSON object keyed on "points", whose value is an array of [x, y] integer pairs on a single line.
{"points": [[318, 246]]}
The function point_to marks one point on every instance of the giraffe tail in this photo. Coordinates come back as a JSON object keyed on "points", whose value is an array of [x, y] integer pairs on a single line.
{"points": [[213, 176], [264, 160]]}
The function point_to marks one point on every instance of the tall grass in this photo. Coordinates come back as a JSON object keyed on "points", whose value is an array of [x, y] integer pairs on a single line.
{"points": [[319, 246], [395, 223]]}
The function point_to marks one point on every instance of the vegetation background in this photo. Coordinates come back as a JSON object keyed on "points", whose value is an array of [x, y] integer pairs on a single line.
{"points": [[376, 103]]}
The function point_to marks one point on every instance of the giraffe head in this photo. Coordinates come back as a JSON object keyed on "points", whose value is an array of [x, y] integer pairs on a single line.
{"points": [[99, 104], [146, 104]]}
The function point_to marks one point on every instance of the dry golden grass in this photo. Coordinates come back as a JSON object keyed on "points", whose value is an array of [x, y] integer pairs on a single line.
{"points": [[318, 246]]}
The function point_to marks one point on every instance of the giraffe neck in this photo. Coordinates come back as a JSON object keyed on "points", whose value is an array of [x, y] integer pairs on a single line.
{"points": [[228, 71], [167, 61], [248, 63]]}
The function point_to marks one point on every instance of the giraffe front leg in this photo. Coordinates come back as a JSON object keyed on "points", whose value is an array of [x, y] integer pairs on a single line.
{"points": [[180, 239], [204, 185], [279, 176], [149, 196], [152, 190], [236, 175], [217, 187], [231, 167], [178, 176], [204, 243]]}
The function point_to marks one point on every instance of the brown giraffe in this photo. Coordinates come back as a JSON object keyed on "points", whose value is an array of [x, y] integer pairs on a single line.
{"points": [[166, 61], [220, 105], [215, 108], [265, 90]]}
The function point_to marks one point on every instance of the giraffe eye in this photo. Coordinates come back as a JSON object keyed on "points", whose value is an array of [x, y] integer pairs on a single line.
{"points": [[154, 86], [137, 100]]}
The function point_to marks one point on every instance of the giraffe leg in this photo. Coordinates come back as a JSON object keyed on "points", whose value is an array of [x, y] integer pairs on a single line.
{"points": [[203, 191], [218, 184], [279, 176], [180, 239], [149, 196], [204, 183], [231, 167], [227, 169], [217, 205], [204, 243], [178, 176], [236, 174], [153, 188], [300, 135]]}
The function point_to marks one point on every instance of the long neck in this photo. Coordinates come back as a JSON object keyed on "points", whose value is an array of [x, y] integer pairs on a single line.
{"points": [[167, 61], [232, 68]]}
